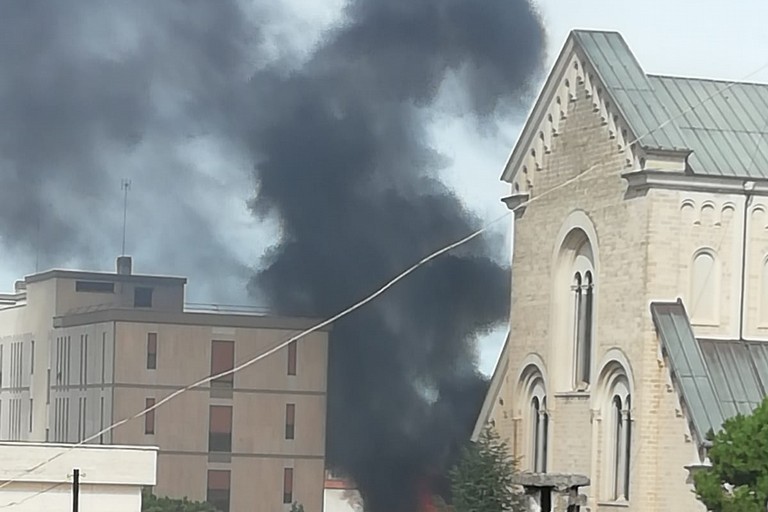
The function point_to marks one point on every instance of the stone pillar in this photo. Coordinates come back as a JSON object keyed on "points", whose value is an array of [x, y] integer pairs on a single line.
{"points": [[621, 467], [541, 436], [552, 492]]}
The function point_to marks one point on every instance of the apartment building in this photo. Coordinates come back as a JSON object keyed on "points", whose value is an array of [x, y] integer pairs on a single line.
{"points": [[82, 350]]}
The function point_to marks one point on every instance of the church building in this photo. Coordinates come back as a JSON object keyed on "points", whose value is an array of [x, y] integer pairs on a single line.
{"points": [[639, 313]]}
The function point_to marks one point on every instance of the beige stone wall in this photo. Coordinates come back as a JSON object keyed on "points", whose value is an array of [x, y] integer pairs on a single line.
{"points": [[757, 268], [632, 260], [261, 392]]}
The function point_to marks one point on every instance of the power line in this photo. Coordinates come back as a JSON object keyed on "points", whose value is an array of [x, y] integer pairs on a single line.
{"points": [[32, 496]]}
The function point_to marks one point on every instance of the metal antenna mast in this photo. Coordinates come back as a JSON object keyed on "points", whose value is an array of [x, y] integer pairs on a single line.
{"points": [[125, 186]]}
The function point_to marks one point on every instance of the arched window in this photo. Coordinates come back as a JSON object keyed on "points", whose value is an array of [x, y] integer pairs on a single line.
{"points": [[533, 407], [764, 295], [539, 421], [583, 297], [617, 431], [622, 441], [575, 305], [705, 279]]}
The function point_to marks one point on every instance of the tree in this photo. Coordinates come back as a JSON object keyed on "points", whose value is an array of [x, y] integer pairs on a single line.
{"points": [[482, 480], [297, 507], [737, 480], [151, 503]]}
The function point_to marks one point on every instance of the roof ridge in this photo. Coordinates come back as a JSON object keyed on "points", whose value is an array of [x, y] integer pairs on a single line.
{"points": [[703, 79], [595, 31]]}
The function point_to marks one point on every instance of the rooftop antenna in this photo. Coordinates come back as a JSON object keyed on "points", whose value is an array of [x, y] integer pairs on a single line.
{"points": [[37, 244], [125, 186]]}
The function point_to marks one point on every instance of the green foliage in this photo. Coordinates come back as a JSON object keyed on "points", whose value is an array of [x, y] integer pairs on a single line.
{"points": [[297, 507], [737, 481], [151, 503], [482, 481]]}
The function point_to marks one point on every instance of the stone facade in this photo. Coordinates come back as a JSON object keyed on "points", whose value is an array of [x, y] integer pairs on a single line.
{"points": [[644, 242]]}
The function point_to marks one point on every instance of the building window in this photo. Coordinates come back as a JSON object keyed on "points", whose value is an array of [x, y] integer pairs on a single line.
{"points": [[583, 297], [83, 360], [292, 353], [539, 425], [81, 421], [31, 412], [220, 429], [218, 489], [288, 485], [290, 421], [101, 421], [32, 356], [149, 417], [222, 360], [705, 279], [142, 297], [764, 295], [617, 431], [621, 449], [152, 351], [575, 306], [103, 358], [94, 286]]}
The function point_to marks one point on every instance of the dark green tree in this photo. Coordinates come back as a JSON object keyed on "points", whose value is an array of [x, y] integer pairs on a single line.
{"points": [[151, 503], [482, 480], [737, 480]]}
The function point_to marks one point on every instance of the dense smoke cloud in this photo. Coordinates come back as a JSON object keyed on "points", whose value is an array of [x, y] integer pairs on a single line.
{"points": [[92, 92], [196, 104], [345, 163]]}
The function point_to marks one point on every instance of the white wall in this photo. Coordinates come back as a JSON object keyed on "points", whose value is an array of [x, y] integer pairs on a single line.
{"points": [[342, 500], [111, 477]]}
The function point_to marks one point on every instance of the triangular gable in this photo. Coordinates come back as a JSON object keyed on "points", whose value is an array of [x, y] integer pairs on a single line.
{"points": [[621, 93]]}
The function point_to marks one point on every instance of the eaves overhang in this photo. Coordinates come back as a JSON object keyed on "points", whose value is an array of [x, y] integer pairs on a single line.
{"points": [[639, 180]]}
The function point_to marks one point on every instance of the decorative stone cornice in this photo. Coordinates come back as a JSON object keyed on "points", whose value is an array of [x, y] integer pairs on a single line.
{"points": [[514, 202], [639, 180]]}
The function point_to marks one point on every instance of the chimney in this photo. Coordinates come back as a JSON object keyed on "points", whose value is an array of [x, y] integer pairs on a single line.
{"points": [[124, 264]]}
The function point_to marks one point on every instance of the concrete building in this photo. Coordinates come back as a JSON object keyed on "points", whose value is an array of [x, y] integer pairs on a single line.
{"points": [[639, 316], [81, 350], [111, 477]]}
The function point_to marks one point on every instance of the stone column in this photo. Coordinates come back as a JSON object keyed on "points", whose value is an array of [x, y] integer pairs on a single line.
{"points": [[621, 457], [541, 435]]}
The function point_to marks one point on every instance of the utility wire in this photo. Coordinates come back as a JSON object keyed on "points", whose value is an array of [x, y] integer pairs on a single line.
{"points": [[32, 496]]}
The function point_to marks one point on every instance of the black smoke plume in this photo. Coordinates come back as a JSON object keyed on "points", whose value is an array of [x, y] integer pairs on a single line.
{"points": [[345, 163], [187, 97], [92, 92]]}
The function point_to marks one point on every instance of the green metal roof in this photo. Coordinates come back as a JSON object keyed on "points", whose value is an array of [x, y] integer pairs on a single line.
{"points": [[688, 367], [729, 364], [718, 379], [725, 124]]}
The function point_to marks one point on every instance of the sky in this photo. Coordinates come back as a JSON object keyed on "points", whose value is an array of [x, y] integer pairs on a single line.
{"points": [[704, 38]]}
